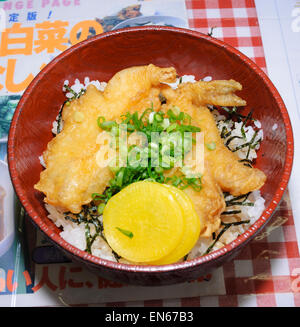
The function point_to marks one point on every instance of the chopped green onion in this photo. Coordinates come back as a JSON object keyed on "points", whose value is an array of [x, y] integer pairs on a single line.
{"points": [[211, 146], [115, 131], [100, 208], [159, 118], [166, 123], [108, 125], [114, 169], [96, 196], [181, 116], [176, 181], [119, 177], [159, 170], [171, 115], [172, 127], [146, 111], [125, 232], [100, 121]]}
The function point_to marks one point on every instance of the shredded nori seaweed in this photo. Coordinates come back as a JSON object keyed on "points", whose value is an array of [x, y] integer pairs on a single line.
{"points": [[88, 215], [226, 227]]}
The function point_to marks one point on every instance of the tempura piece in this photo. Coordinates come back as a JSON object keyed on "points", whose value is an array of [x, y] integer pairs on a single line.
{"points": [[218, 93], [232, 175], [229, 173], [72, 173]]}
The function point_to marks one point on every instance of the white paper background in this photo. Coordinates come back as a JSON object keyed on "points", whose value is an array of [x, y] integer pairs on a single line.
{"points": [[281, 42]]}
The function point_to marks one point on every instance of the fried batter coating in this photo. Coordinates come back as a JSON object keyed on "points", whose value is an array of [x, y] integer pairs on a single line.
{"points": [[229, 173], [72, 173], [209, 203], [218, 93]]}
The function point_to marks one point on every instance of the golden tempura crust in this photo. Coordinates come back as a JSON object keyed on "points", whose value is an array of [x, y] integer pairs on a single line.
{"points": [[231, 175], [218, 93]]}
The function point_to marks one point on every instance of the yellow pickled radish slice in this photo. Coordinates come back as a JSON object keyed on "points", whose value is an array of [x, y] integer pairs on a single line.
{"points": [[191, 229], [143, 222]]}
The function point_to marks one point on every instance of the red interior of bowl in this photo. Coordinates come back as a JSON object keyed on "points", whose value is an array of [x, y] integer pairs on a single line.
{"points": [[100, 58]]}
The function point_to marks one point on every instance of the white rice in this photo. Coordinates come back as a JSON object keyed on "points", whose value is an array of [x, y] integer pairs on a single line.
{"points": [[236, 130], [247, 213], [74, 233], [77, 86], [42, 161]]}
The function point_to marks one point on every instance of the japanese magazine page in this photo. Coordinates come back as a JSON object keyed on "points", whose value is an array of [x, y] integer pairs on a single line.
{"points": [[32, 271]]}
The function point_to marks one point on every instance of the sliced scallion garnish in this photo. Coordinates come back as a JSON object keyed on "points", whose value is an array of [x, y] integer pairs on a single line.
{"points": [[211, 146], [125, 232]]}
